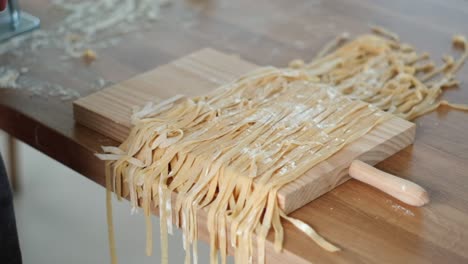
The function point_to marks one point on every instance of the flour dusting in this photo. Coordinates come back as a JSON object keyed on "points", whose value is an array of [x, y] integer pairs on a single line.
{"points": [[8, 78], [85, 26], [401, 209], [13, 79]]}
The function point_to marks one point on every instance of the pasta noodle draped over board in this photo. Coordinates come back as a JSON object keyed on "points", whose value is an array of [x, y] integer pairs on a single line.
{"points": [[230, 151]]}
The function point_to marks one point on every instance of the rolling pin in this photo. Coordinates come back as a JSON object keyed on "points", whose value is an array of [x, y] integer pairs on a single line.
{"points": [[403, 190]]}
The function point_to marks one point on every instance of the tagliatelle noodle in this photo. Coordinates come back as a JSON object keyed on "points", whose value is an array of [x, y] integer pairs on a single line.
{"points": [[230, 151], [389, 74]]}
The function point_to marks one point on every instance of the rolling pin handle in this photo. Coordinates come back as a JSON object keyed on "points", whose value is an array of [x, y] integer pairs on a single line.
{"points": [[403, 190]]}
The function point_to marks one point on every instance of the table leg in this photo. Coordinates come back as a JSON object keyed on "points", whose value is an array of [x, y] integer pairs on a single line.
{"points": [[12, 160]]}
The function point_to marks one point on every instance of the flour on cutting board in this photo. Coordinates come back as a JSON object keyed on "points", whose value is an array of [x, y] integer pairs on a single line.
{"points": [[86, 27]]}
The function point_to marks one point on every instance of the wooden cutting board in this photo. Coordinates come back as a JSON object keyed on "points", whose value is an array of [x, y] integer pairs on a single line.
{"points": [[108, 112]]}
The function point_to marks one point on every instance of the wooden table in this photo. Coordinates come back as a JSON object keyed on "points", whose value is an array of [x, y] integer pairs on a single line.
{"points": [[368, 225]]}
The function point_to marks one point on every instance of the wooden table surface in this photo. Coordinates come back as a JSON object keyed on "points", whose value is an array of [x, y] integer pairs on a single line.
{"points": [[368, 225]]}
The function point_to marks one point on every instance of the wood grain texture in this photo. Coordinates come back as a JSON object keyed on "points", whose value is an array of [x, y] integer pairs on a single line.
{"points": [[379, 144], [369, 226], [109, 112]]}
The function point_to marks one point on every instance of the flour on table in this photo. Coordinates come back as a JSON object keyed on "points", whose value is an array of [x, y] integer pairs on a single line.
{"points": [[8, 78], [402, 209], [13, 79], [86, 25]]}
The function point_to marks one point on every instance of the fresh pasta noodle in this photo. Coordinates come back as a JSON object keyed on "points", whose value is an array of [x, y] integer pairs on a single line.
{"points": [[229, 152], [388, 74], [384, 32]]}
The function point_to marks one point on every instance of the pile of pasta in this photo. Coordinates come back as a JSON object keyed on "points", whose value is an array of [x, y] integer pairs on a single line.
{"points": [[230, 151], [386, 73]]}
